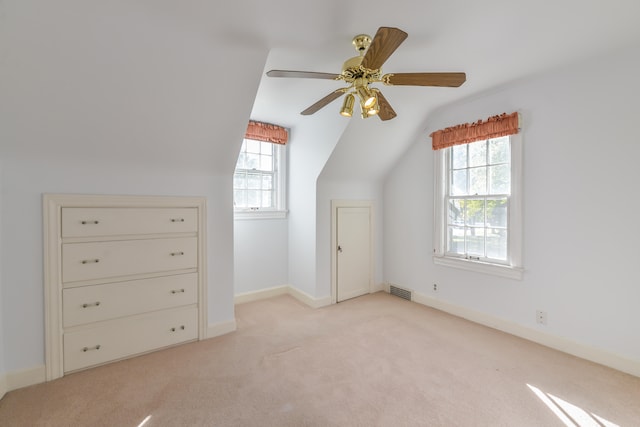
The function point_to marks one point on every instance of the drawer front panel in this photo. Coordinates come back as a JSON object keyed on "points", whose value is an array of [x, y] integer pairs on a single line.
{"points": [[122, 338], [96, 303], [97, 260], [86, 222]]}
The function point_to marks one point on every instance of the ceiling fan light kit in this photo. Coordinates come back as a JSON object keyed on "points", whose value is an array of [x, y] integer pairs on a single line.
{"points": [[347, 105], [362, 70]]}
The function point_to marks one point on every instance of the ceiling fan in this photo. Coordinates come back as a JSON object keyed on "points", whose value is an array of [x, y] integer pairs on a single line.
{"points": [[362, 70]]}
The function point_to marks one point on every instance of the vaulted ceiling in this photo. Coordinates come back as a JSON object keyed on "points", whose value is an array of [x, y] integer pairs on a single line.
{"points": [[169, 82]]}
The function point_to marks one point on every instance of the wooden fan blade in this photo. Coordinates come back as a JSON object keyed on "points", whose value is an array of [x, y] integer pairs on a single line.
{"points": [[425, 79], [386, 112], [384, 43], [302, 74], [323, 102]]}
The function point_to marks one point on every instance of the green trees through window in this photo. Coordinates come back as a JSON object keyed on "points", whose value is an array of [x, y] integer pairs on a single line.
{"points": [[477, 194]]}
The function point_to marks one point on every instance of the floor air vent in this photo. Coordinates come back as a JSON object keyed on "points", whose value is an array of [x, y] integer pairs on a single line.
{"points": [[399, 292]]}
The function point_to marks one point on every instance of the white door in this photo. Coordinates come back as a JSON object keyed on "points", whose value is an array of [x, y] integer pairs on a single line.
{"points": [[353, 258]]}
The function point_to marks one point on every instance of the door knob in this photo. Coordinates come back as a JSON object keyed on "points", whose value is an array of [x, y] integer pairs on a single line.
{"points": [[339, 248]]}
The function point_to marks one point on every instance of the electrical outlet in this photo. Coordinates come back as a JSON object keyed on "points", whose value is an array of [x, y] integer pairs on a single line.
{"points": [[541, 317], [435, 287]]}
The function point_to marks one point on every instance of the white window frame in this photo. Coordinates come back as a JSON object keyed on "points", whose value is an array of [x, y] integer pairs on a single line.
{"points": [[280, 183], [513, 267]]}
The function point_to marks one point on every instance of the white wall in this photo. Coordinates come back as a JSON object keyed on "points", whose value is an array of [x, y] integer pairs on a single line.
{"points": [[581, 149], [261, 254], [2, 346], [308, 153]]}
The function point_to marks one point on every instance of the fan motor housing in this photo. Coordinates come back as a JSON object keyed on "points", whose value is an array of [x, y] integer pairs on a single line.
{"points": [[352, 70]]}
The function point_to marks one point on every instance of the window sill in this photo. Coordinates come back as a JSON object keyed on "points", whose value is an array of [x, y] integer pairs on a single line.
{"points": [[244, 215], [480, 267]]}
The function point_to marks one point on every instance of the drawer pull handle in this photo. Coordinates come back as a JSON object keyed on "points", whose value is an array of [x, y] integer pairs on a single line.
{"points": [[177, 253], [89, 222], [90, 261], [91, 348], [91, 304], [175, 329], [177, 291], [177, 219]]}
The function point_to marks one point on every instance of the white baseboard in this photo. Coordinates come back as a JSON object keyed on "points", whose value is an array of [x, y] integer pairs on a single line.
{"points": [[283, 290], [565, 345], [261, 294], [308, 299], [23, 378], [221, 328]]}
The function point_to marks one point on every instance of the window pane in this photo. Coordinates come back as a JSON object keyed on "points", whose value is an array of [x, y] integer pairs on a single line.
{"points": [[499, 150], [267, 182], [459, 156], [475, 241], [497, 243], [478, 180], [253, 198], [500, 179], [455, 241], [253, 146], [252, 161], [266, 163], [497, 213], [266, 148], [239, 180], [254, 181], [475, 212], [267, 199], [240, 198], [459, 183], [242, 163], [456, 212], [478, 153]]}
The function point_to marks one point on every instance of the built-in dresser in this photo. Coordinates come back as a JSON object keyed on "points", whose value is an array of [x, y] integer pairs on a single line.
{"points": [[124, 276]]}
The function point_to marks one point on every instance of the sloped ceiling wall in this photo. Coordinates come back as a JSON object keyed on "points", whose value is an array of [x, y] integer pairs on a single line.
{"points": [[112, 81]]}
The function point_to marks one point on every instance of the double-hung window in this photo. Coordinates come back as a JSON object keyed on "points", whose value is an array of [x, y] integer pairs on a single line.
{"points": [[259, 180], [478, 216]]}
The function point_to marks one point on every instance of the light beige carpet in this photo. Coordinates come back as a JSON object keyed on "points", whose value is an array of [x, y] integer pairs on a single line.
{"points": [[376, 360]]}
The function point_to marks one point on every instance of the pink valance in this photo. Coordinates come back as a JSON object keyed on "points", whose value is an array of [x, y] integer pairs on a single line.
{"points": [[267, 132], [494, 127]]}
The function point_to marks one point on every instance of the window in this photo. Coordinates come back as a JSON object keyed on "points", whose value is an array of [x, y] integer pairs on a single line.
{"points": [[478, 215], [259, 180]]}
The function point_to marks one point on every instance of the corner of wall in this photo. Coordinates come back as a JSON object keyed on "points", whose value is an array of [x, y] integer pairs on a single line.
{"points": [[221, 328], [23, 378], [308, 299], [301, 296], [3, 385]]}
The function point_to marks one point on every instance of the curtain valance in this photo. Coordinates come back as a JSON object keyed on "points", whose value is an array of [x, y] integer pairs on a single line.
{"points": [[494, 127], [267, 132]]}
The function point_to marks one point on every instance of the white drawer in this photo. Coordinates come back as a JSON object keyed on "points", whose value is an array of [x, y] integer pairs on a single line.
{"points": [[85, 222], [89, 304], [120, 338], [97, 260]]}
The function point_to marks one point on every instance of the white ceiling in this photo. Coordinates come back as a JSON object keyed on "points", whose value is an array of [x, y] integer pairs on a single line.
{"points": [[495, 42], [116, 77]]}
